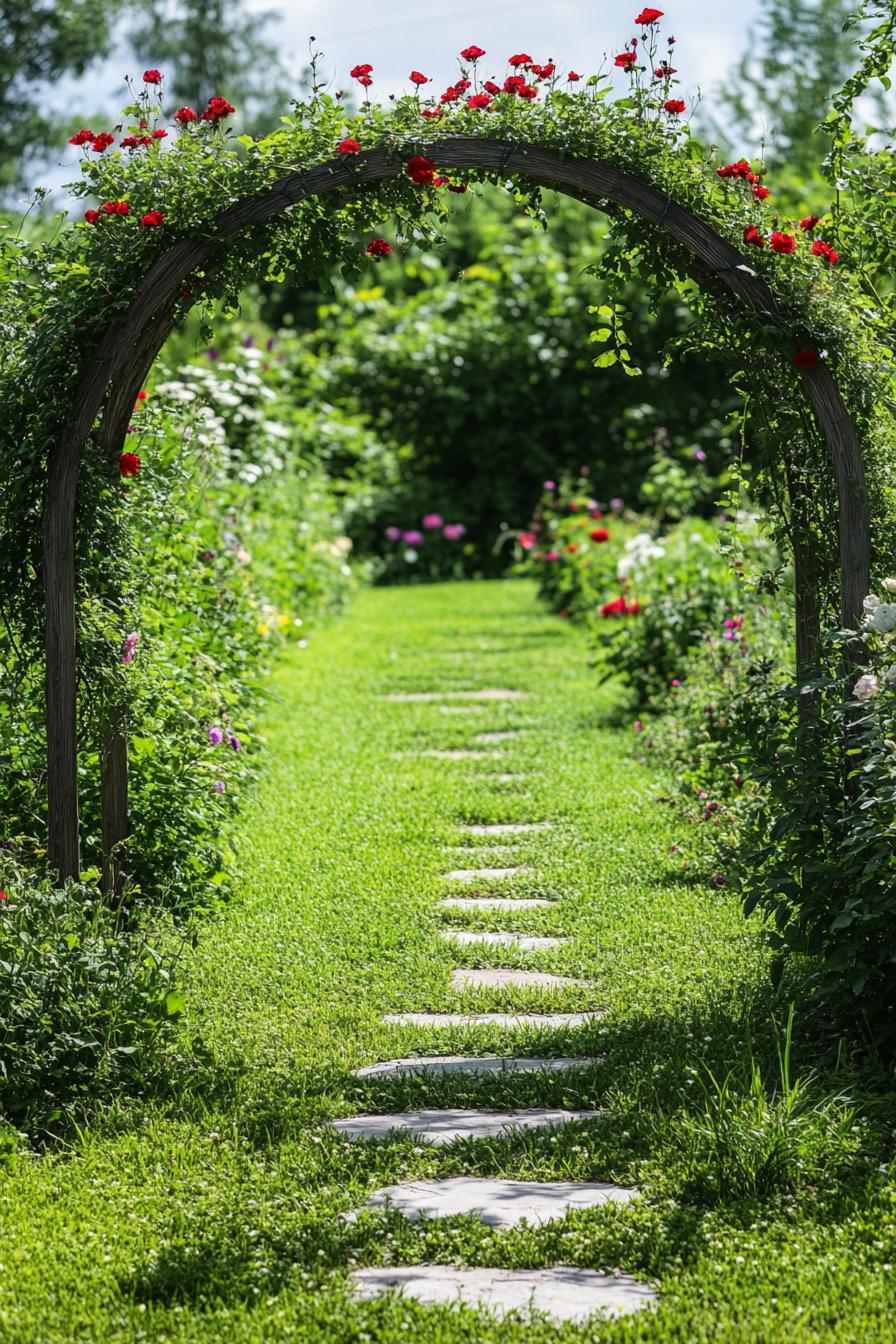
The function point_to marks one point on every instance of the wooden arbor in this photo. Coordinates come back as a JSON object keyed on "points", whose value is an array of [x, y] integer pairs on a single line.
{"points": [[111, 379]]}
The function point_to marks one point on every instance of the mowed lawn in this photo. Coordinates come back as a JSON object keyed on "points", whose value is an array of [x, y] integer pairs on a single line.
{"points": [[216, 1212]]}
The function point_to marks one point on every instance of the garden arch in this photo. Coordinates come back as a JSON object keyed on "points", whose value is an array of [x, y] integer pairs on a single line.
{"points": [[114, 374]]}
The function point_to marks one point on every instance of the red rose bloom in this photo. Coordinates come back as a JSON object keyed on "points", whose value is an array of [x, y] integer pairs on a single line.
{"points": [[450, 95], [159, 134], [528, 91], [571, 548], [421, 170], [572, 77], [625, 60], [463, 85], [753, 236], [808, 224], [184, 115], [152, 76], [433, 113], [521, 59], [760, 192], [365, 81], [416, 78], [131, 142], [664, 70], [513, 84], [543, 71], [674, 106], [806, 359], [115, 208], [129, 464], [378, 248], [783, 243], [479, 101], [822, 249], [91, 216], [360, 71], [152, 219], [648, 16], [491, 87], [472, 53], [600, 534], [141, 396], [218, 109], [349, 147], [100, 143], [741, 170], [83, 137]]}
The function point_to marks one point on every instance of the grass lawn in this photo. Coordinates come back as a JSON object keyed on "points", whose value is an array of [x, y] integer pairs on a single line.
{"points": [[214, 1212]]}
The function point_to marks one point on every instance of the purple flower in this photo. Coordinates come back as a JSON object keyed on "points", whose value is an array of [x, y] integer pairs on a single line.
{"points": [[454, 531], [699, 455], [550, 485], [212, 353], [584, 471], [248, 342], [130, 644], [638, 726], [432, 522], [215, 736], [413, 538], [393, 533], [617, 505], [219, 786], [235, 742]]}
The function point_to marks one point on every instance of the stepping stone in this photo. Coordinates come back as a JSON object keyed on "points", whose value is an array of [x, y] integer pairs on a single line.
{"points": [[440, 1065], [514, 1021], [508, 779], [475, 874], [509, 828], [493, 739], [443, 1127], [493, 902], [498, 1203], [524, 943], [421, 697], [564, 1293], [494, 978], [460, 755]]}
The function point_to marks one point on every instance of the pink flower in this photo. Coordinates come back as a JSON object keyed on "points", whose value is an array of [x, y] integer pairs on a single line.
{"points": [[617, 505], [675, 681], [454, 531], [552, 555], [413, 537], [550, 485], [130, 644], [432, 522], [527, 540], [393, 533]]}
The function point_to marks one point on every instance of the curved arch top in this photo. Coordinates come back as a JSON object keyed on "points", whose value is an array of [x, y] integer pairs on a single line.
{"points": [[109, 382]]}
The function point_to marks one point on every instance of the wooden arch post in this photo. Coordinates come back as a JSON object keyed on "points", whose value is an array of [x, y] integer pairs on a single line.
{"points": [[112, 378]]}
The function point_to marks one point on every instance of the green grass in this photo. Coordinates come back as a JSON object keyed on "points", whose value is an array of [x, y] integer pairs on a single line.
{"points": [[214, 1212]]}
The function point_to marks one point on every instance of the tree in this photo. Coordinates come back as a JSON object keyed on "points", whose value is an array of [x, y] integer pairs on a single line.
{"points": [[41, 42]]}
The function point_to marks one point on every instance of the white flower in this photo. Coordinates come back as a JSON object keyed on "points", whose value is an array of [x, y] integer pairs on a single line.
{"points": [[882, 618], [890, 674], [411, 556], [867, 687], [638, 554], [890, 585]]}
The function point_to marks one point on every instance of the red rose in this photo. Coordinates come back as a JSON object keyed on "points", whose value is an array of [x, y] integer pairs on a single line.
{"points": [[152, 76], [100, 143], [521, 59], [365, 81], [625, 60], [115, 208], [571, 548], [218, 109], [491, 87], [528, 91], [573, 78], [184, 115], [450, 95], [543, 71], [416, 78], [83, 137], [3, 896], [129, 464], [741, 170], [753, 236], [421, 170], [513, 84], [600, 534], [760, 192], [674, 106], [808, 224], [783, 242], [472, 53], [349, 147], [130, 142], [159, 134], [664, 70], [433, 113], [152, 219], [92, 216], [361, 71], [648, 16], [378, 248], [141, 396], [806, 359], [479, 101], [822, 249]]}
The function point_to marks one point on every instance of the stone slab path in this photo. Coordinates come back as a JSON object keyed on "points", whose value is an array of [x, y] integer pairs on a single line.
{"points": [[440, 1065], [513, 1021], [444, 1127], [522, 942], [563, 1293], [508, 828], [493, 902], [498, 1203], [484, 874]]}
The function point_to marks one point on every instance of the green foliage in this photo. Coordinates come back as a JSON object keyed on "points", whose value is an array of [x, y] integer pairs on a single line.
{"points": [[90, 1000]]}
